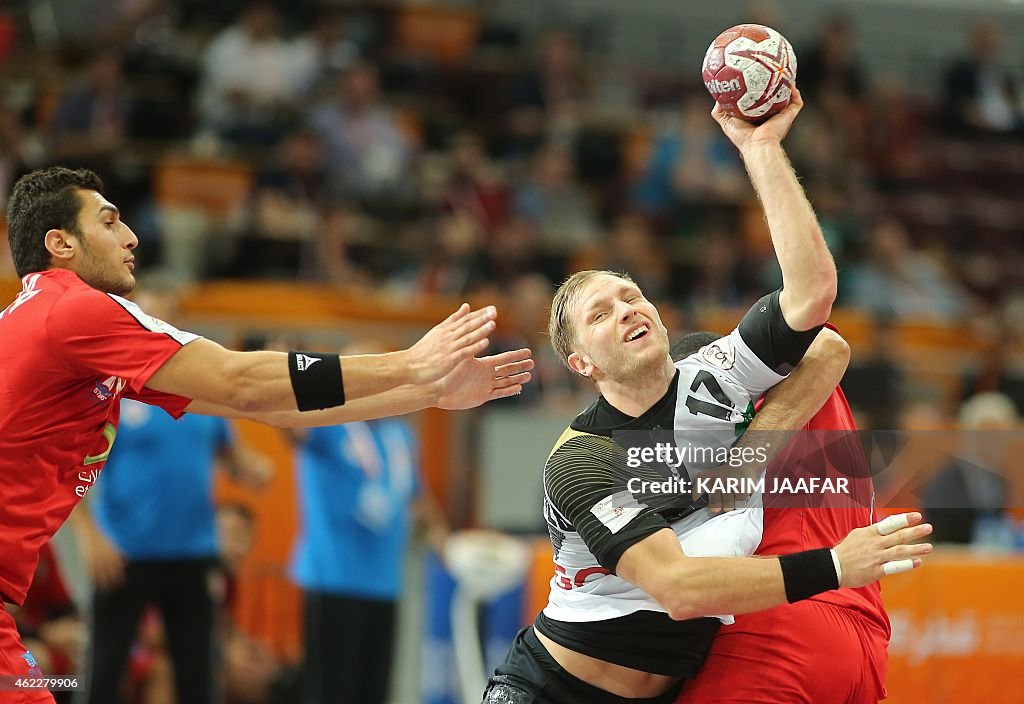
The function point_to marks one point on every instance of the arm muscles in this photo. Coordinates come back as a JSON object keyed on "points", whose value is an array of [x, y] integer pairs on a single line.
{"points": [[404, 399], [259, 382], [691, 587], [792, 403], [808, 270]]}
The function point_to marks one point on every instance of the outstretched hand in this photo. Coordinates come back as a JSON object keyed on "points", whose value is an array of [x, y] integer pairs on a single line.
{"points": [[478, 380], [460, 336], [772, 131]]}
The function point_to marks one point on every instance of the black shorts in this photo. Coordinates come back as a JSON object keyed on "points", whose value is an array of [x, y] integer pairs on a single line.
{"points": [[530, 675]]}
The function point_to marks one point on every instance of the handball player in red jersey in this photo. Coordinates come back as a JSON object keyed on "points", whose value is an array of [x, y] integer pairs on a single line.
{"points": [[831, 648], [71, 347]]}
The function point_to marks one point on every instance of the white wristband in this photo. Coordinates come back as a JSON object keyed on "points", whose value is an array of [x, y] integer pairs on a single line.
{"points": [[839, 567]]}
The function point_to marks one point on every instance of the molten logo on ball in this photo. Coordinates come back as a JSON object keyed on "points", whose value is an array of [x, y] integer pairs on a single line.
{"points": [[749, 70]]}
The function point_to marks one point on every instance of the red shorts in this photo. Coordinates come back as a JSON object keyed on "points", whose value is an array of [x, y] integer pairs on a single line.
{"points": [[16, 661], [809, 652]]}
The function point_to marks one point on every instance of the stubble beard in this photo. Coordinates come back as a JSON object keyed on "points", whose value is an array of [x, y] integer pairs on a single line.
{"points": [[93, 273], [639, 370]]}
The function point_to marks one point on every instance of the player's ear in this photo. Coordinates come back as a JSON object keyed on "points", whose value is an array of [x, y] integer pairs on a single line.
{"points": [[580, 364], [59, 245]]}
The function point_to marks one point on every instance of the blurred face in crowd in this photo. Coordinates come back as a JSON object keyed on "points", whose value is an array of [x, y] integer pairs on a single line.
{"points": [[359, 86], [234, 530], [100, 251], [105, 73], [301, 152], [986, 40], [619, 334], [260, 21]]}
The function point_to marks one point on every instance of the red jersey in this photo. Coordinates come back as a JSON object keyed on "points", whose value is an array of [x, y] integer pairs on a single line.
{"points": [[828, 446], [68, 353]]}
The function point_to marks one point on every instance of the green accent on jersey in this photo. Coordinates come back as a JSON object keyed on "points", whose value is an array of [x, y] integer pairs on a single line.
{"points": [[748, 417], [110, 432]]}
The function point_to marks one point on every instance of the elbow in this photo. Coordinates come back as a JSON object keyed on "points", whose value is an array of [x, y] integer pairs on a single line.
{"points": [[686, 604], [818, 308], [839, 349]]}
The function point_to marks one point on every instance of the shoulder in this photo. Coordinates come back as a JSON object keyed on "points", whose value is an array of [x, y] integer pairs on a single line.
{"points": [[80, 303], [578, 452]]}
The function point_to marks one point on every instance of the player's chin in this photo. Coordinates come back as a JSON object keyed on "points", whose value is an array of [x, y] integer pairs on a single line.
{"points": [[125, 285]]}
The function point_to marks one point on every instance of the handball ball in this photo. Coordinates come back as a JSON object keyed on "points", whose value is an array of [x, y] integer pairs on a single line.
{"points": [[750, 71]]}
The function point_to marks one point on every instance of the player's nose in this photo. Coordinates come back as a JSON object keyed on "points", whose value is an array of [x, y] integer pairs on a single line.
{"points": [[132, 241], [626, 311]]}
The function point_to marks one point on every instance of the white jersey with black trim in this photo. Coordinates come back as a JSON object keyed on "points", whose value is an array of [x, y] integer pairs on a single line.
{"points": [[714, 397], [593, 515]]}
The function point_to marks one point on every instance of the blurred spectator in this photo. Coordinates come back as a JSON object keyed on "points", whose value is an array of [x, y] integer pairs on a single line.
{"points": [[994, 371], [831, 64], [899, 281], [892, 134], [554, 202], [982, 97], [474, 185], [288, 204], [692, 167], [633, 249], [154, 539], [874, 382], [714, 274], [368, 156], [49, 623], [15, 153], [248, 87], [547, 98], [253, 674], [321, 52], [963, 499], [514, 251], [359, 489], [454, 262], [8, 35], [90, 123]]}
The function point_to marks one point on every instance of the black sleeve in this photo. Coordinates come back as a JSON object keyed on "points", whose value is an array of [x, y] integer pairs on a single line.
{"points": [[586, 480], [769, 336]]}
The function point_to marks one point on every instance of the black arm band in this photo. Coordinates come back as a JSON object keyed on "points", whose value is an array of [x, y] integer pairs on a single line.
{"points": [[316, 380], [808, 573]]}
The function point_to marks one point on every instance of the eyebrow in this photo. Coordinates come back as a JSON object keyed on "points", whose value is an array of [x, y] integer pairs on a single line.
{"points": [[111, 208]]}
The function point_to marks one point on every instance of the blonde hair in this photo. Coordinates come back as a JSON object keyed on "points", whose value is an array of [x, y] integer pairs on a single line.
{"points": [[561, 329]]}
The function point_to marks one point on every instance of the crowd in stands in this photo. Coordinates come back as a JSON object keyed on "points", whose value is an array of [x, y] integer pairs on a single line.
{"points": [[436, 151]]}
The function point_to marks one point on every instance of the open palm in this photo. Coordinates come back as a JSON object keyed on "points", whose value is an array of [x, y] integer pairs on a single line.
{"points": [[477, 380]]}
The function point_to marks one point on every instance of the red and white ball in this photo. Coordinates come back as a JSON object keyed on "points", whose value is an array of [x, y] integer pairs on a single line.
{"points": [[750, 71]]}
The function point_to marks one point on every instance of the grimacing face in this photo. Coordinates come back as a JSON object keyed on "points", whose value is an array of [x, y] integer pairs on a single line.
{"points": [[105, 260], [619, 333]]}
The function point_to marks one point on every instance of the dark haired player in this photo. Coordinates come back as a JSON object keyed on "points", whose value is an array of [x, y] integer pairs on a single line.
{"points": [[71, 348]]}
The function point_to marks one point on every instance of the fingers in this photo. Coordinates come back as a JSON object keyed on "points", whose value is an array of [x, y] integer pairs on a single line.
{"points": [[500, 360], [797, 99], [907, 535], [891, 524], [513, 390], [905, 552], [507, 370], [513, 380], [899, 566], [473, 323], [457, 315], [474, 342]]}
